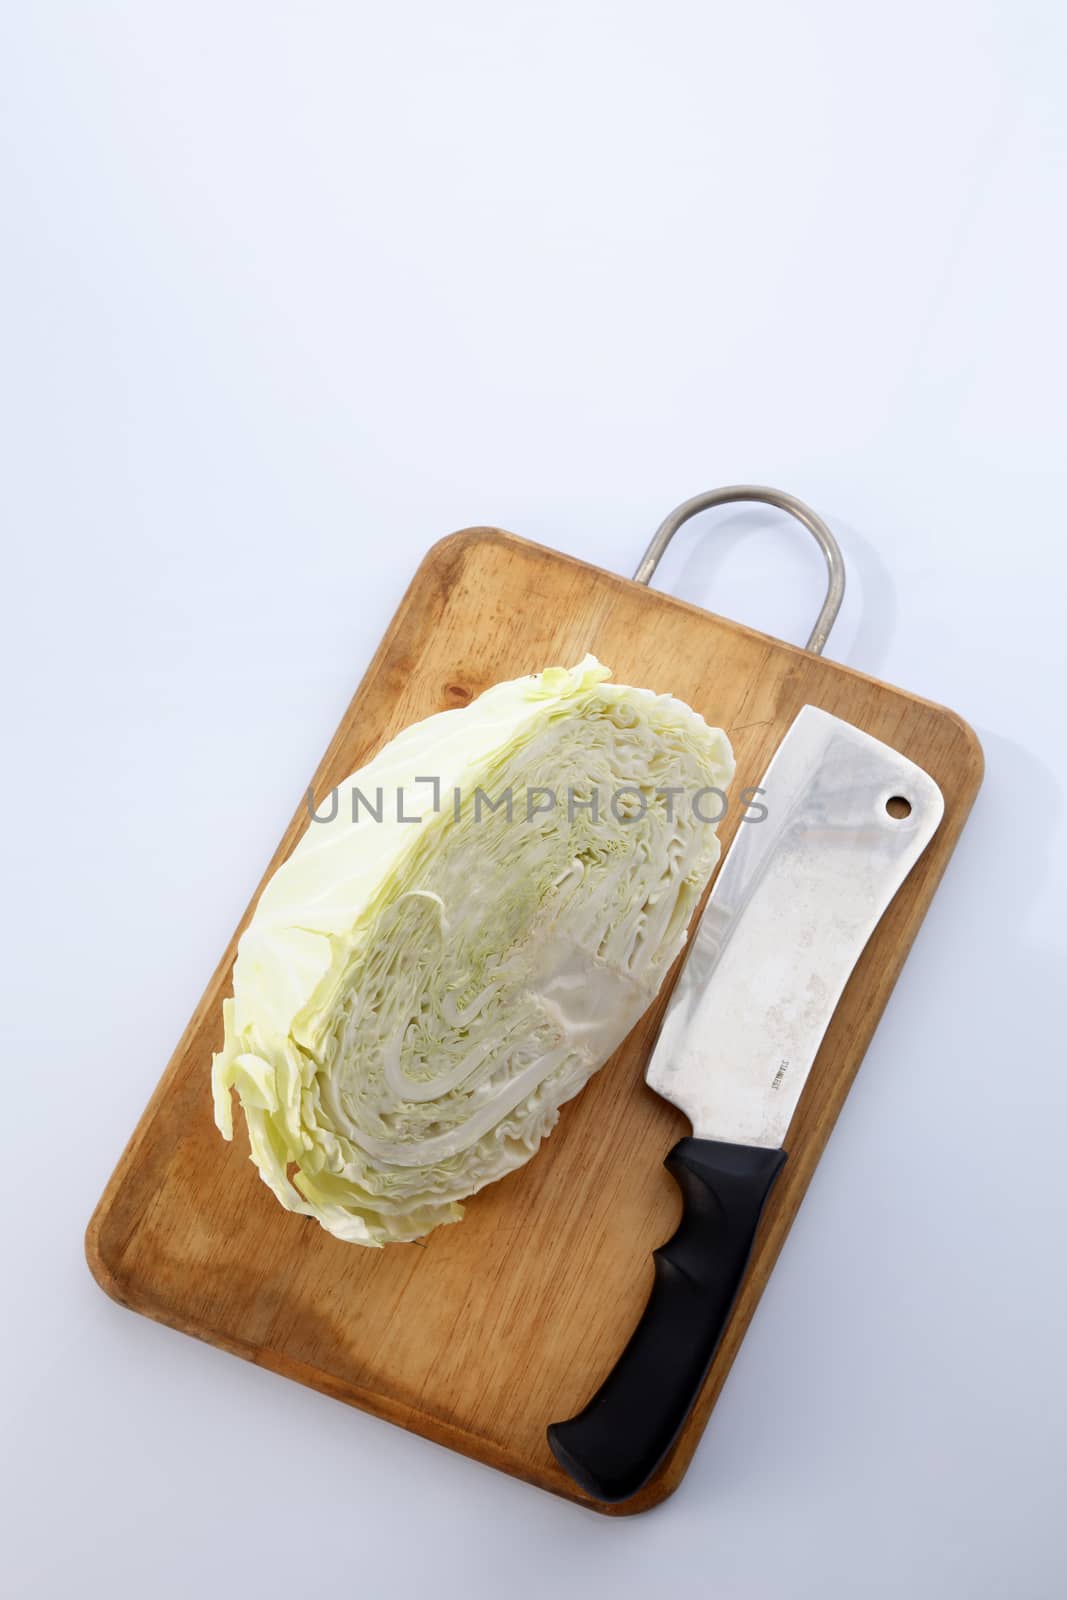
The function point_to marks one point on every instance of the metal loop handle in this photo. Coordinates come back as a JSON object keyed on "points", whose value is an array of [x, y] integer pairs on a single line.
{"points": [[829, 546]]}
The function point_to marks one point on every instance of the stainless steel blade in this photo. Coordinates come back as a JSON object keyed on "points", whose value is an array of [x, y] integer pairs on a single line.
{"points": [[796, 899]]}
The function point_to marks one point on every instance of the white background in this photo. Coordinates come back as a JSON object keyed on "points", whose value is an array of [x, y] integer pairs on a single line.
{"points": [[289, 291]]}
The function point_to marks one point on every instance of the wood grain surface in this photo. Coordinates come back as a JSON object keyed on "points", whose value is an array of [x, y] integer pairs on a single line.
{"points": [[489, 1330]]}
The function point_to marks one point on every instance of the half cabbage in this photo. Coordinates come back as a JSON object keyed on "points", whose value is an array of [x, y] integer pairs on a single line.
{"points": [[415, 999]]}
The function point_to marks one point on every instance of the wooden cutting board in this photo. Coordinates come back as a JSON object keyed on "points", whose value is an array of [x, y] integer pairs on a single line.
{"points": [[489, 1330]]}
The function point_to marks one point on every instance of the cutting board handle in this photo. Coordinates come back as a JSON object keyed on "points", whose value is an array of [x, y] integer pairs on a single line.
{"points": [[612, 1447], [835, 562]]}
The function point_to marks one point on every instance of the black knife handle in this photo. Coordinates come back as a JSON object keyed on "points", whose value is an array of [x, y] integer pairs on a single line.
{"points": [[615, 1444]]}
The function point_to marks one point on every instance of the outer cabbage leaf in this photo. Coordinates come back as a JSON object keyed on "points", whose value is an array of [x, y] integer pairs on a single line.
{"points": [[414, 1001]]}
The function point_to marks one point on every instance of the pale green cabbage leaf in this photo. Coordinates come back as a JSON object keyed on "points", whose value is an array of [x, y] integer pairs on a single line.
{"points": [[414, 1001]]}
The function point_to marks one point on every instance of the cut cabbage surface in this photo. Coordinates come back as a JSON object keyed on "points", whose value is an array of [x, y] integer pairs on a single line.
{"points": [[413, 1001]]}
